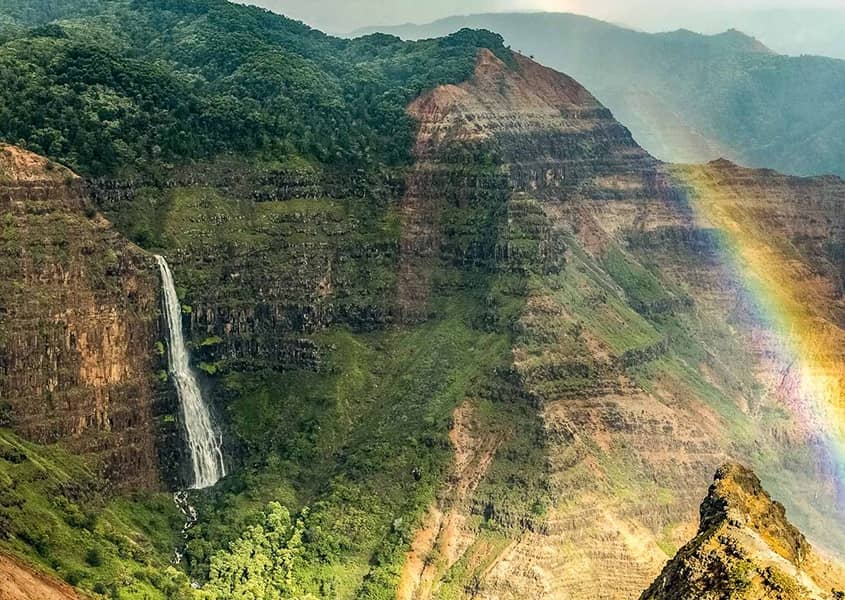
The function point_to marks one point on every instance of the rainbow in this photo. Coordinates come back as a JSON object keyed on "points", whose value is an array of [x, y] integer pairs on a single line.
{"points": [[805, 349]]}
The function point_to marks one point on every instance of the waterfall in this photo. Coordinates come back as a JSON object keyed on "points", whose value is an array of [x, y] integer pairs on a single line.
{"points": [[204, 442]]}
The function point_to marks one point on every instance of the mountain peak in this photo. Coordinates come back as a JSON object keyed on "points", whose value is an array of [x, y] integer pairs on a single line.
{"points": [[746, 545], [742, 41], [730, 41], [503, 94], [737, 498]]}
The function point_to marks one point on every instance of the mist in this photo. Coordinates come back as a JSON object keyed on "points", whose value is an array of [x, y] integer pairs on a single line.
{"points": [[341, 16], [786, 26]]}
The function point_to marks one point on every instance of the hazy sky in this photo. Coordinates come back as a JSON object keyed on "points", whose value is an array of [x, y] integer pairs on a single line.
{"points": [[341, 16]]}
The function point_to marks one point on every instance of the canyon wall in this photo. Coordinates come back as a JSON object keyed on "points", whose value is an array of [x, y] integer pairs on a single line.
{"points": [[265, 257], [643, 348], [78, 324]]}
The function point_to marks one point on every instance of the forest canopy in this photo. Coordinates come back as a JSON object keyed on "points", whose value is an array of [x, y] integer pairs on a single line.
{"points": [[131, 84]]}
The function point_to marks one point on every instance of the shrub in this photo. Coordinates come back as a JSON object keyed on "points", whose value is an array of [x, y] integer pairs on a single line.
{"points": [[94, 557], [73, 578]]}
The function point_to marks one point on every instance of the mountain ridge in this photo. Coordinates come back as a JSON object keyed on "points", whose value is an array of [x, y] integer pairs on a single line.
{"points": [[739, 40], [745, 545], [688, 98]]}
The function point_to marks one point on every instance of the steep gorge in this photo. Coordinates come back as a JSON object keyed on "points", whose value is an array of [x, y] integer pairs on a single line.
{"points": [[537, 302]]}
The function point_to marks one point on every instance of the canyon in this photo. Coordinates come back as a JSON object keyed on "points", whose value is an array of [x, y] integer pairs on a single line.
{"points": [[77, 300], [508, 370]]}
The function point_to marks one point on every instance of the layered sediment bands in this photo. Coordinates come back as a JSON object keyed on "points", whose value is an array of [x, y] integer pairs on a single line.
{"points": [[79, 321], [257, 184], [263, 260], [604, 442], [782, 237], [638, 343], [510, 128]]}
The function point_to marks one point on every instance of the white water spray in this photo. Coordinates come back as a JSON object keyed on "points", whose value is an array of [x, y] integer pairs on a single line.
{"points": [[204, 442]]}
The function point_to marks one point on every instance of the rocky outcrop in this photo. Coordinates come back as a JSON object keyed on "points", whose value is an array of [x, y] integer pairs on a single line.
{"points": [[746, 548], [78, 323]]}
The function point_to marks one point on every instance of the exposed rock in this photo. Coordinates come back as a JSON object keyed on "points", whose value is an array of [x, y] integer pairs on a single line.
{"points": [[18, 582], [510, 128], [78, 323], [446, 534], [641, 346], [746, 548]]}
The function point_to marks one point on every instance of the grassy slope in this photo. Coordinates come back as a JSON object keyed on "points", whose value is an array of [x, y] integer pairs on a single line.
{"points": [[348, 442], [54, 513]]}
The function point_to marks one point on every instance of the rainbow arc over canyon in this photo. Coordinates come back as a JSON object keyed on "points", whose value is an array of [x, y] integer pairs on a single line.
{"points": [[804, 347]]}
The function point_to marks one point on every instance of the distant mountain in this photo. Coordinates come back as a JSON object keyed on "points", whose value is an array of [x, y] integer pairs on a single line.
{"points": [[746, 548], [788, 31], [689, 97]]}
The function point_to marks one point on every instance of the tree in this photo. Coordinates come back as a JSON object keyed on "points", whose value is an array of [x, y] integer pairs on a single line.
{"points": [[262, 563]]}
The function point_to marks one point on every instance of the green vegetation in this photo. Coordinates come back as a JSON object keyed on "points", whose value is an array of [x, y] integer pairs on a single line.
{"points": [[56, 512], [351, 441], [362, 443], [132, 85], [263, 562]]}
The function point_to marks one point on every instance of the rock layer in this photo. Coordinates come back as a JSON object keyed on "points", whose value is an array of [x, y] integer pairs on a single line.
{"points": [[638, 344], [79, 322]]}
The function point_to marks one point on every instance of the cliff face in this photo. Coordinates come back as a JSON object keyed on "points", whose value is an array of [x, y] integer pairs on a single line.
{"points": [[607, 338], [746, 548], [518, 127], [780, 240], [266, 257], [643, 343], [78, 323]]}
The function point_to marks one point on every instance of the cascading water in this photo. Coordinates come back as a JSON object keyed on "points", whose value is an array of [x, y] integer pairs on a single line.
{"points": [[204, 442]]}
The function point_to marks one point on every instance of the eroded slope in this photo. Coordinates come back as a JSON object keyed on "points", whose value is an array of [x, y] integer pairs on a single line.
{"points": [[18, 582], [78, 323], [637, 346]]}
